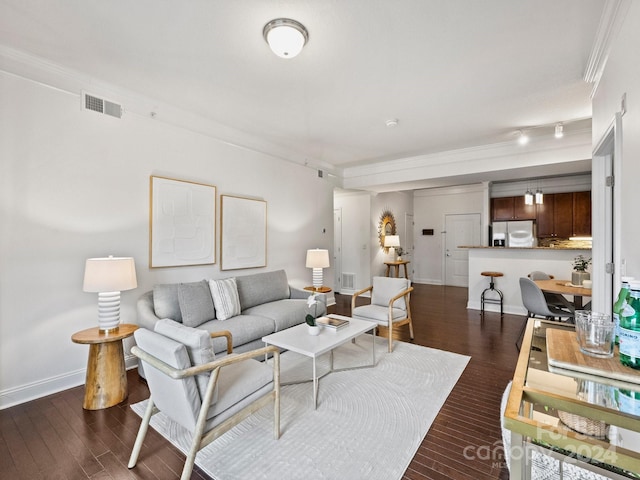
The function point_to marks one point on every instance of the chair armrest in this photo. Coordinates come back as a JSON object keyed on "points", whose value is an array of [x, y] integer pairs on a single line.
{"points": [[357, 294], [404, 293], [205, 367], [225, 333]]}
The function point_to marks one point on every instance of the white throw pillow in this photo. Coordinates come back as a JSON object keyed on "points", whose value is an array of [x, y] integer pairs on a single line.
{"points": [[225, 298]]}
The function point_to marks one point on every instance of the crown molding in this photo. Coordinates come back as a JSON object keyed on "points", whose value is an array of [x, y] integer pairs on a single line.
{"points": [[50, 75], [613, 15]]}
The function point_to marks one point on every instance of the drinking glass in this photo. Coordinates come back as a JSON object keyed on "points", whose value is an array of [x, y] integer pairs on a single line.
{"points": [[595, 333]]}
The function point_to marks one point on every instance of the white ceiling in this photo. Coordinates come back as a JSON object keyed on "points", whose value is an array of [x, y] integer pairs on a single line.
{"points": [[455, 73]]}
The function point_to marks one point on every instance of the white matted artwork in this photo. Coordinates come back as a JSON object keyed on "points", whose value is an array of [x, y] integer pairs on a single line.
{"points": [[243, 233], [182, 217]]}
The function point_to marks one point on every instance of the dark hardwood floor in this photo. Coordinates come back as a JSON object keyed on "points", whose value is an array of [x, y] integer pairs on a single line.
{"points": [[54, 438]]}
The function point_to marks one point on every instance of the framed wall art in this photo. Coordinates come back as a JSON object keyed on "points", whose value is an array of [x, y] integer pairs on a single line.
{"points": [[243, 241], [182, 227]]}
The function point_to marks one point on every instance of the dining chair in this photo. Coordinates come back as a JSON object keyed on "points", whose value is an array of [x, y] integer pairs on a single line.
{"points": [[535, 302], [206, 396], [554, 299]]}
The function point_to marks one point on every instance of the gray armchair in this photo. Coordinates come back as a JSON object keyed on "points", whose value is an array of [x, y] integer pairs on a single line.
{"points": [[204, 395], [389, 306]]}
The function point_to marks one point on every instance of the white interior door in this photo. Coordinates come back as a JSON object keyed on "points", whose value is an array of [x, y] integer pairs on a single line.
{"points": [[407, 244], [337, 249], [459, 230]]}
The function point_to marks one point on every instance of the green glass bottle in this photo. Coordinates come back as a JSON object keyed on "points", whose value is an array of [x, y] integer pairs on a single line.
{"points": [[629, 331], [628, 401], [620, 304]]}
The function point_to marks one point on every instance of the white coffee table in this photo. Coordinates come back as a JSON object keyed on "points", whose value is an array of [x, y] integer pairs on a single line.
{"points": [[296, 339]]}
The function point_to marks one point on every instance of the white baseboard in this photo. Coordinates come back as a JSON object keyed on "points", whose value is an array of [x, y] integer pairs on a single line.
{"points": [[493, 307], [31, 391]]}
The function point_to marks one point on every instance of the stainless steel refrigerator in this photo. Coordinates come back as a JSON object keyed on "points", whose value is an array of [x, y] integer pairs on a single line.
{"points": [[519, 233]]}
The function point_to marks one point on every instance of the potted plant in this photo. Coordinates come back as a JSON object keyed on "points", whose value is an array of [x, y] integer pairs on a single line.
{"points": [[312, 326], [580, 265], [399, 252]]}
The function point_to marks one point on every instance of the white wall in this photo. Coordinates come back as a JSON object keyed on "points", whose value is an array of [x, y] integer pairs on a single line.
{"points": [[622, 75], [398, 203], [75, 184], [356, 233], [430, 207]]}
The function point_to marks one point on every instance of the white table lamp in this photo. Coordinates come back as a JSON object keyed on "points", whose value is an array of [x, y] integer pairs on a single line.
{"points": [[317, 259], [391, 242], [108, 277]]}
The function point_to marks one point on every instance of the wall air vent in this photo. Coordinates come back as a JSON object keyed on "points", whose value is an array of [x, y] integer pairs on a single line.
{"points": [[100, 105], [348, 281]]}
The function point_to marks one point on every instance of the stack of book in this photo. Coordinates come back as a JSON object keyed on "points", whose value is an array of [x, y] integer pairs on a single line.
{"points": [[332, 323]]}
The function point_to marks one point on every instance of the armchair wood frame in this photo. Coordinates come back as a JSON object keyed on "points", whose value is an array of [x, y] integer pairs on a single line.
{"points": [[398, 322], [201, 438]]}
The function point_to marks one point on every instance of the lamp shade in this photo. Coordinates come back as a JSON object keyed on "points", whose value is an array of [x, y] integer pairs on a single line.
{"points": [[317, 258], [392, 240], [285, 37], [109, 274]]}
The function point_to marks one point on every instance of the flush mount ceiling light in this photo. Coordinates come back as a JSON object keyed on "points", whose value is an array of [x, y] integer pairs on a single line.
{"points": [[559, 133], [393, 122], [285, 37]]}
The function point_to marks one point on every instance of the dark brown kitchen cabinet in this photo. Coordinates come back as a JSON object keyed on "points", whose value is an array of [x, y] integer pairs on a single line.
{"points": [[511, 208], [564, 215], [582, 214]]}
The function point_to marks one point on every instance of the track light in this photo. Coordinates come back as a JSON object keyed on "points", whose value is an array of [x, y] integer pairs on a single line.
{"points": [[559, 130], [523, 139]]}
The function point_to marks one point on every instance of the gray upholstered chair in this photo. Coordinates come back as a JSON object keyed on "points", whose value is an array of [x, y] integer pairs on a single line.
{"points": [[389, 304], [207, 396], [536, 304], [554, 299]]}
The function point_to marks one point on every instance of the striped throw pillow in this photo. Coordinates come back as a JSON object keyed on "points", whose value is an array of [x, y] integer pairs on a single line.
{"points": [[225, 298]]}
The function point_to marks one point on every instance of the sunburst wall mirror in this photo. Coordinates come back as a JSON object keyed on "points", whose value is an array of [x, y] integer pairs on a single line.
{"points": [[386, 226]]}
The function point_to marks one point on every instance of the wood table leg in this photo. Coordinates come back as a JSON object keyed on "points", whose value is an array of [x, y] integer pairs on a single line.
{"points": [[106, 383], [388, 270]]}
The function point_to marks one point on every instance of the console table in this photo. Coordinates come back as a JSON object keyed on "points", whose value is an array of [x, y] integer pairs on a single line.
{"points": [[545, 400], [106, 381]]}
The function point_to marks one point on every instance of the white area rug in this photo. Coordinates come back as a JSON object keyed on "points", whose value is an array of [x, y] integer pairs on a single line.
{"points": [[369, 422]]}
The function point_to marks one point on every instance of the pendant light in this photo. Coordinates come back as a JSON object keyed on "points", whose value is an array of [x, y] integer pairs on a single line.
{"points": [[528, 197]]}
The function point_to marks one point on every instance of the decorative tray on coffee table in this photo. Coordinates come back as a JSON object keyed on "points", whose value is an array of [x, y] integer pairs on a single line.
{"points": [[563, 352]]}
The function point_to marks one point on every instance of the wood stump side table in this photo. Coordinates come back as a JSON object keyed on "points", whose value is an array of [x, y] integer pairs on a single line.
{"points": [[106, 381]]}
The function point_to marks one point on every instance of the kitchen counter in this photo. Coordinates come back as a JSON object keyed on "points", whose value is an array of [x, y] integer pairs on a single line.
{"points": [[515, 263]]}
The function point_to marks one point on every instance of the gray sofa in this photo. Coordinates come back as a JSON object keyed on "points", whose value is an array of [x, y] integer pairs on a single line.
{"points": [[267, 304]]}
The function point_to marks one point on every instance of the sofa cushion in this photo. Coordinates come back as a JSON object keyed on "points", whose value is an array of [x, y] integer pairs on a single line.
{"points": [[196, 304], [165, 301], [285, 313], [262, 288], [243, 328], [225, 298], [199, 347]]}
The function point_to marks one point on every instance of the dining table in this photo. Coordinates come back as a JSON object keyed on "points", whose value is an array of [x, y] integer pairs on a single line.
{"points": [[565, 287]]}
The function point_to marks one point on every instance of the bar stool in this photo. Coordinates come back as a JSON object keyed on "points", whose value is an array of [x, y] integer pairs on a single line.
{"points": [[483, 299]]}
